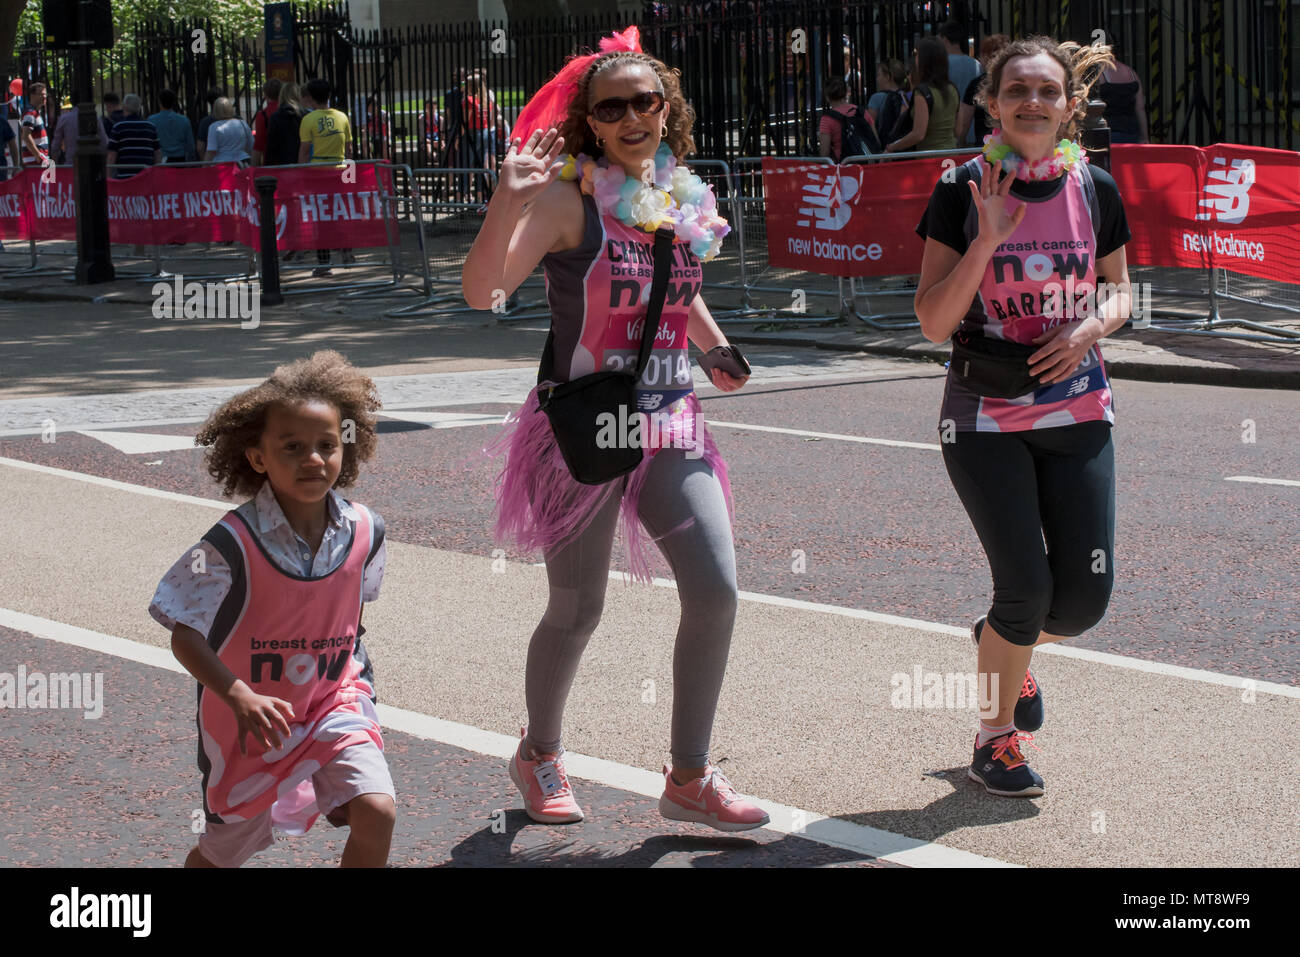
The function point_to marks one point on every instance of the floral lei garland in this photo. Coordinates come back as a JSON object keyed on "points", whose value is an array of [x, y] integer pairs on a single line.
{"points": [[678, 198], [1065, 157]]}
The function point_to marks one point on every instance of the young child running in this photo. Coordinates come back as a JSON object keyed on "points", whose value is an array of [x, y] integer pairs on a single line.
{"points": [[265, 611]]}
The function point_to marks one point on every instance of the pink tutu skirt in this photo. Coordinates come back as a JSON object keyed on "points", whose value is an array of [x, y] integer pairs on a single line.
{"points": [[541, 507]]}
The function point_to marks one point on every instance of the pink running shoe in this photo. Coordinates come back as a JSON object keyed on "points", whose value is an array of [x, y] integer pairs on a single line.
{"points": [[548, 799], [709, 800]]}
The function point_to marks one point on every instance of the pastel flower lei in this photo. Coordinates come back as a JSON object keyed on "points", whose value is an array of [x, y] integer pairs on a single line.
{"points": [[678, 198], [1065, 157]]}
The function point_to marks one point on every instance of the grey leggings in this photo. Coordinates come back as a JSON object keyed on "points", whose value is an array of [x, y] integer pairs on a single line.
{"points": [[703, 561]]}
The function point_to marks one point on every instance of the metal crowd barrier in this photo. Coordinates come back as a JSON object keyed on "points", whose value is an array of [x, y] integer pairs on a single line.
{"points": [[448, 221], [750, 224], [866, 287]]}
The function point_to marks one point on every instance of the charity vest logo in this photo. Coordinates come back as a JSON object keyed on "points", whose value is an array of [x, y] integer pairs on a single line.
{"points": [[826, 204], [1227, 200]]}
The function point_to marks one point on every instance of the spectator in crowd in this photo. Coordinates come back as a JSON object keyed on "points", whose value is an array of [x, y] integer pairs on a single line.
{"points": [[1126, 113], [229, 138], [887, 103], [852, 70], [9, 149], [971, 115], [134, 141], [112, 112], [377, 127], [326, 137], [962, 69], [458, 141], [35, 139], [832, 133], [479, 115], [63, 142], [431, 133], [201, 138], [282, 136], [271, 94], [934, 102], [175, 134]]}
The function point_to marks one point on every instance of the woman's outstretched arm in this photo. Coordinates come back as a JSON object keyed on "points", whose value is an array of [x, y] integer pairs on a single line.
{"points": [[521, 224]]}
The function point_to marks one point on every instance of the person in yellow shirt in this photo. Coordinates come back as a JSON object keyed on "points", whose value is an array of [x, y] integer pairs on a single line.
{"points": [[325, 134], [325, 137]]}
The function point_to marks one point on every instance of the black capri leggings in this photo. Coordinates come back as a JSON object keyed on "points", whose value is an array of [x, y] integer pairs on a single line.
{"points": [[1043, 487]]}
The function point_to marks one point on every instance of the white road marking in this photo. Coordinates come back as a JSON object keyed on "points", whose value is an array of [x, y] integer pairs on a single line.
{"points": [[445, 420], [139, 443], [833, 832], [154, 407], [120, 486], [824, 435], [1065, 651], [1260, 481], [1082, 654]]}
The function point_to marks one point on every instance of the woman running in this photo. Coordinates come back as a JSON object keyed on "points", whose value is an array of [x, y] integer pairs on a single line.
{"points": [[1018, 259], [594, 243]]}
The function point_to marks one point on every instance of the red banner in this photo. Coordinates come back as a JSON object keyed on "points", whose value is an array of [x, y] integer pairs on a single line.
{"points": [[1230, 207], [1226, 206], [321, 207], [854, 220]]}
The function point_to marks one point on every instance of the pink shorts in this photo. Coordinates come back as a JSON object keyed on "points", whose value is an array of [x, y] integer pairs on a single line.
{"points": [[359, 769]]}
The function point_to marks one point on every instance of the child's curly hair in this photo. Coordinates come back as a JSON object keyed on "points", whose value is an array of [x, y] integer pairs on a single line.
{"points": [[577, 133], [238, 424]]}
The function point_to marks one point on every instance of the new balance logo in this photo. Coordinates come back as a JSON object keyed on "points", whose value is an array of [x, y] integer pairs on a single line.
{"points": [[1227, 190], [827, 196]]}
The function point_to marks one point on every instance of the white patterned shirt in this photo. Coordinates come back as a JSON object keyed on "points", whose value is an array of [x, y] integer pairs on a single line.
{"points": [[193, 598]]}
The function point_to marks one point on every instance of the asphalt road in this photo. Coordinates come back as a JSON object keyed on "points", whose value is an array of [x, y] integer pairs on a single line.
{"points": [[1206, 578]]}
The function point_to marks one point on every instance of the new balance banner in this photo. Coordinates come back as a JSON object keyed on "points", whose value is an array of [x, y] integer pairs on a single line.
{"points": [[1224, 206], [1230, 207], [322, 207], [853, 220]]}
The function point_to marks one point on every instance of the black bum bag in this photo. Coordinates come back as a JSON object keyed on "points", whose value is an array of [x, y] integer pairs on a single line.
{"points": [[995, 368]]}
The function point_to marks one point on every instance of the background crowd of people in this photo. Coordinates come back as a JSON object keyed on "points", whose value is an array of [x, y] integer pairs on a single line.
{"points": [[947, 113]]}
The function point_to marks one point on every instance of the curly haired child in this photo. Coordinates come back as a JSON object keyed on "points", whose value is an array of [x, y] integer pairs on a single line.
{"points": [[265, 612]]}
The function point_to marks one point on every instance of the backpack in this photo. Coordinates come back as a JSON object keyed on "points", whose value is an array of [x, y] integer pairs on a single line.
{"points": [[857, 135], [904, 124]]}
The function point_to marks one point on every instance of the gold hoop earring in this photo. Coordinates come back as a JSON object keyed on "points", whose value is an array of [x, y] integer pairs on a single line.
{"points": [[664, 131], [600, 142]]}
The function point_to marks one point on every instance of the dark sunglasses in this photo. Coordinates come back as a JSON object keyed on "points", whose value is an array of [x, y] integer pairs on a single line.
{"points": [[615, 108]]}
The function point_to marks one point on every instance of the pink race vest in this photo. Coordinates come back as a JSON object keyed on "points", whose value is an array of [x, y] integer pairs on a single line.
{"points": [[1053, 252], [598, 294], [295, 640]]}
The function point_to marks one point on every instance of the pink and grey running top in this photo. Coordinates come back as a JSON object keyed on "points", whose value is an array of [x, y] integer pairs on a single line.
{"points": [[1054, 247], [598, 294]]}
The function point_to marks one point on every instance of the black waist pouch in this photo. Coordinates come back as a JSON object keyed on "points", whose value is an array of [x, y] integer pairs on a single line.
{"points": [[994, 368], [577, 410], [582, 410]]}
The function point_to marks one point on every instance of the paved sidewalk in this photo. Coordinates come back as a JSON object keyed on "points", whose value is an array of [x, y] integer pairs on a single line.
{"points": [[1152, 354]]}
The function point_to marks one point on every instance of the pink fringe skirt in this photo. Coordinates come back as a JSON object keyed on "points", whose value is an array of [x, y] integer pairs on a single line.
{"points": [[541, 507]]}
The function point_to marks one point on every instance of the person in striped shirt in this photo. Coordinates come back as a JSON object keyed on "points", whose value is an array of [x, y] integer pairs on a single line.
{"points": [[133, 141], [36, 141]]}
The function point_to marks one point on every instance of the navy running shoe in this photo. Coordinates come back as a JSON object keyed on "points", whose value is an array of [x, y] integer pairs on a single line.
{"points": [[1029, 706], [1001, 767]]}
